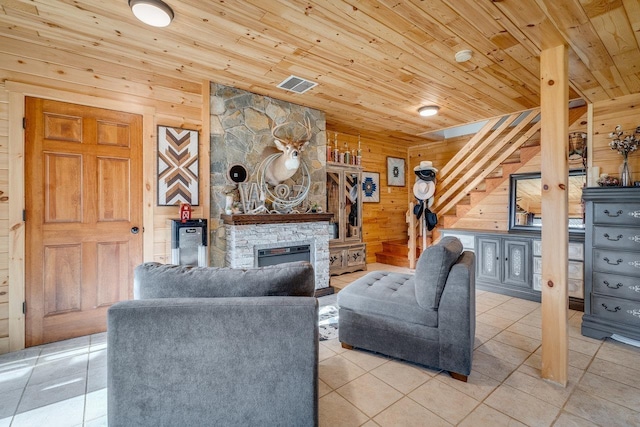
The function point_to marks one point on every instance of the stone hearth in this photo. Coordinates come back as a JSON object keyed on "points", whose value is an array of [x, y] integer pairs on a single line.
{"points": [[244, 241]]}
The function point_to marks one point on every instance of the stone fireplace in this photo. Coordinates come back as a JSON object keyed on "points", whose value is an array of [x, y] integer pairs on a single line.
{"points": [[241, 125], [245, 240]]}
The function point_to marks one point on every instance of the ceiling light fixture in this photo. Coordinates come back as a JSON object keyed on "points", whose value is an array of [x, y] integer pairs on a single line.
{"points": [[152, 12], [464, 55], [429, 110]]}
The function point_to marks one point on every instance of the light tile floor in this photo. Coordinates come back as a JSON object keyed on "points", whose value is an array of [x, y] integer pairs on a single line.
{"points": [[64, 384]]}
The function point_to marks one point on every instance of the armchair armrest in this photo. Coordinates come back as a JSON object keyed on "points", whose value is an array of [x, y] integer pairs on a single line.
{"points": [[213, 361], [457, 316]]}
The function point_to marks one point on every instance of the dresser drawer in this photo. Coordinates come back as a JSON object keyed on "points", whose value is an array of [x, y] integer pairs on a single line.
{"points": [[616, 262], [616, 309], [616, 213], [575, 268], [617, 286], [576, 250], [576, 287], [617, 238]]}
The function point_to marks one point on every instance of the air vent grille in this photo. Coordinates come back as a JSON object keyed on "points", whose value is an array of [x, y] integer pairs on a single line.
{"points": [[296, 84]]}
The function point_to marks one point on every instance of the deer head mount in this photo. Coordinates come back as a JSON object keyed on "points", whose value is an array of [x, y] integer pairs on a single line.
{"points": [[291, 143]]}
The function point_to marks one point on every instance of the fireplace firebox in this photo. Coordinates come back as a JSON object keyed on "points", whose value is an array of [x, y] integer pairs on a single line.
{"points": [[273, 256]]}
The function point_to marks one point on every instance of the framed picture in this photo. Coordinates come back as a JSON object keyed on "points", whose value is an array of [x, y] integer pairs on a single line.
{"points": [[395, 172], [177, 166], [370, 187]]}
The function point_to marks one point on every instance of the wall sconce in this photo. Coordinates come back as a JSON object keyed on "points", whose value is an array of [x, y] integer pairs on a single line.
{"points": [[429, 110], [152, 12]]}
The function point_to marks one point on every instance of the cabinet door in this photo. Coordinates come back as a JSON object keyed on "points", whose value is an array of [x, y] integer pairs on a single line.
{"points": [[333, 203], [516, 263], [488, 259], [352, 206]]}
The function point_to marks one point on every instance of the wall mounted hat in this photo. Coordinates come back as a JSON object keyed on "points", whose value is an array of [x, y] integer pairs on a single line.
{"points": [[423, 190], [152, 12], [425, 165]]}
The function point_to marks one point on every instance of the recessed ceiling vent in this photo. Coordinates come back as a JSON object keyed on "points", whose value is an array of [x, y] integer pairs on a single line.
{"points": [[296, 84]]}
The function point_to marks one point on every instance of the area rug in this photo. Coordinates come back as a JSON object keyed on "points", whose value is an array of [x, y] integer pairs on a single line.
{"points": [[328, 322]]}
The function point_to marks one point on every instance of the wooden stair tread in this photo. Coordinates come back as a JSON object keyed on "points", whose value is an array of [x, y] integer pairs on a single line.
{"points": [[392, 259]]}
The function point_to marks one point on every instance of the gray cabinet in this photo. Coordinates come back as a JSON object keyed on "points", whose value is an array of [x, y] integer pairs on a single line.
{"points": [[511, 263], [612, 262], [504, 265], [347, 252]]}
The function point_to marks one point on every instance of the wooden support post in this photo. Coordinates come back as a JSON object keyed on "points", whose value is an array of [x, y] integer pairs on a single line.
{"points": [[555, 234]]}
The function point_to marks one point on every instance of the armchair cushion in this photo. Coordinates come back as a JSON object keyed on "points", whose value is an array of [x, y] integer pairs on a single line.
{"points": [[395, 289], [432, 271], [155, 280]]}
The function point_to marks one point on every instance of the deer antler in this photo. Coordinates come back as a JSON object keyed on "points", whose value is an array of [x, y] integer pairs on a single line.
{"points": [[293, 139]]}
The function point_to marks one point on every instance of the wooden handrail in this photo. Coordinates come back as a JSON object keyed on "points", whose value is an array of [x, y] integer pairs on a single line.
{"points": [[483, 165]]}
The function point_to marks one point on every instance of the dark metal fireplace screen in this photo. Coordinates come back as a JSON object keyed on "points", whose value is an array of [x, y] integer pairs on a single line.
{"points": [[275, 256]]}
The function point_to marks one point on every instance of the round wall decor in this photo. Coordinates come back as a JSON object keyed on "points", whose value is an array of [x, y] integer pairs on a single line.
{"points": [[238, 173]]}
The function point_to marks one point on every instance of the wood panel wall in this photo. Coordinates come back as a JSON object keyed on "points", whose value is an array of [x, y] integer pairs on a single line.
{"points": [[606, 116], [4, 219], [171, 100], [383, 221]]}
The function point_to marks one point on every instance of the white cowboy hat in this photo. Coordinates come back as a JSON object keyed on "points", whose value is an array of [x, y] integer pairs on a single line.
{"points": [[424, 190], [425, 165]]}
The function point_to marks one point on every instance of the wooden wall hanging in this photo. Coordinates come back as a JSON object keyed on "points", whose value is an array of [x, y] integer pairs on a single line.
{"points": [[177, 166]]}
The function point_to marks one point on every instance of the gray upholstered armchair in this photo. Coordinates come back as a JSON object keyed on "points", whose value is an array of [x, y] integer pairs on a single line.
{"points": [[427, 318], [214, 346]]}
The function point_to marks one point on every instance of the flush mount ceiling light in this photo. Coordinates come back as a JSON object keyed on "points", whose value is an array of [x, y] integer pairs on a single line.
{"points": [[464, 55], [429, 110], [152, 12]]}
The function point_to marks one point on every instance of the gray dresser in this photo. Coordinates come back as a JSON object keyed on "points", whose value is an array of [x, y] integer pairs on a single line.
{"points": [[612, 262], [510, 263]]}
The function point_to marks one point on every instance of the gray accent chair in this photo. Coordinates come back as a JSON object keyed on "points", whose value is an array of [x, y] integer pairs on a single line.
{"points": [[426, 318], [215, 346]]}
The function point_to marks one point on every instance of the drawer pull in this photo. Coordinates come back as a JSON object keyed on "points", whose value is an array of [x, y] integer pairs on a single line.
{"points": [[619, 285], [612, 216], [613, 240], [615, 310], [612, 263]]}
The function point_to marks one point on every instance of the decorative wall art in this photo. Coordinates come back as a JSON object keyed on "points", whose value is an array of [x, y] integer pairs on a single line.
{"points": [[177, 166], [395, 172], [370, 187]]}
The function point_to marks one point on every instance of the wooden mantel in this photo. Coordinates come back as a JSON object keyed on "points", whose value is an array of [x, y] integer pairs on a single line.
{"points": [[245, 219]]}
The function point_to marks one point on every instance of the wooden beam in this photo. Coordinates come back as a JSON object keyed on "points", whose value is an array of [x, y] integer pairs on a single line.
{"points": [[555, 233]]}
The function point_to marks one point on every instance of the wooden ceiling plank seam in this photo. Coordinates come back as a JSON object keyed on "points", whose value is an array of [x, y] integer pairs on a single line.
{"points": [[444, 53], [129, 73], [496, 82], [86, 78], [570, 19]]}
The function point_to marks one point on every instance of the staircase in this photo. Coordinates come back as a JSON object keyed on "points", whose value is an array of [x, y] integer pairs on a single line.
{"points": [[395, 252], [489, 184]]}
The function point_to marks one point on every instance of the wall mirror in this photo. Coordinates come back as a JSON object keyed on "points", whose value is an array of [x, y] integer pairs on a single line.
{"points": [[525, 207]]}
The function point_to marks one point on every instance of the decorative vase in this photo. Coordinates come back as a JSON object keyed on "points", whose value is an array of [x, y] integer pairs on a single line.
{"points": [[625, 173]]}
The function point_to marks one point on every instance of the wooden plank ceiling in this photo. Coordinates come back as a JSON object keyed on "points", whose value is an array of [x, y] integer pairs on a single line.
{"points": [[375, 62]]}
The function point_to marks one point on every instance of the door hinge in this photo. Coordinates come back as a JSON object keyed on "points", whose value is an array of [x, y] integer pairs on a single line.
{"points": [[24, 215], [24, 123], [24, 307]]}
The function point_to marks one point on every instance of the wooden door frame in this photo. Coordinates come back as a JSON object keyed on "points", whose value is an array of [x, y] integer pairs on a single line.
{"points": [[17, 93]]}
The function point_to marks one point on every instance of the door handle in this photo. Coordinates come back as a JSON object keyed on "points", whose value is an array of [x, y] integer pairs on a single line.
{"points": [[134, 230]]}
